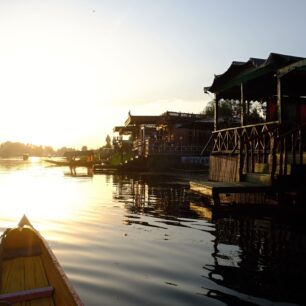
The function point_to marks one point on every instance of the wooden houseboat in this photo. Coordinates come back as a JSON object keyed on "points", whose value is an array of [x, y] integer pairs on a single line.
{"points": [[259, 161], [180, 134], [128, 142], [171, 139]]}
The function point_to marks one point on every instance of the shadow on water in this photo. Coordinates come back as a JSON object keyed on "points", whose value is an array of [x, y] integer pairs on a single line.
{"points": [[258, 254]]}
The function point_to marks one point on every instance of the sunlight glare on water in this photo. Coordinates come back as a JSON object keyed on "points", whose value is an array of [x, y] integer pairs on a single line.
{"points": [[46, 196], [138, 239], [27, 193]]}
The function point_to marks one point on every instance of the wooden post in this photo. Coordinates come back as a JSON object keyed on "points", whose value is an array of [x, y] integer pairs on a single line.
{"points": [[285, 156], [247, 107], [293, 140], [265, 149], [216, 113], [242, 106], [253, 155], [281, 156], [300, 135], [241, 156], [279, 101], [273, 154]]}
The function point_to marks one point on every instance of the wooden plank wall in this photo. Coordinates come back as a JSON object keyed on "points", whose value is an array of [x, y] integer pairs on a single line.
{"points": [[224, 168]]}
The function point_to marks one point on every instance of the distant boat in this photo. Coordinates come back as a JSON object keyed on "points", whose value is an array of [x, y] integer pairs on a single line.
{"points": [[71, 163], [30, 271], [25, 156]]}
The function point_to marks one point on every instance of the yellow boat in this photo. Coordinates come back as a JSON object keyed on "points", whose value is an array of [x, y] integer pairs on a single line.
{"points": [[30, 273]]}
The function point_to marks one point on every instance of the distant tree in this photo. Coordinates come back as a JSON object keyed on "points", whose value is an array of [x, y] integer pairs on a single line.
{"points": [[17, 149], [62, 150], [84, 148], [253, 116], [229, 110], [108, 142], [12, 149], [258, 111], [48, 151]]}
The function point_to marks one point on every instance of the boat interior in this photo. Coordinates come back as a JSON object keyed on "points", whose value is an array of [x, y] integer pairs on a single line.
{"points": [[24, 280]]}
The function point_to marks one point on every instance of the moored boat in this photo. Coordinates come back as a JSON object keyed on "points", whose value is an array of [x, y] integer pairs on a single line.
{"points": [[30, 272], [71, 163]]}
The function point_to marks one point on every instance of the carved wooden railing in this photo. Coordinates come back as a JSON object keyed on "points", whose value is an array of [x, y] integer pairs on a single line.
{"points": [[138, 147], [262, 143], [288, 150], [154, 147], [231, 140]]}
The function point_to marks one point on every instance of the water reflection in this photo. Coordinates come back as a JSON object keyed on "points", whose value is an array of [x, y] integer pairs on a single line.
{"points": [[258, 254], [261, 256], [144, 240], [155, 196], [42, 193]]}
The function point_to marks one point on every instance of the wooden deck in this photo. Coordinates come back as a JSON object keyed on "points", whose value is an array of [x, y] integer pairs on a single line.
{"points": [[213, 190]]}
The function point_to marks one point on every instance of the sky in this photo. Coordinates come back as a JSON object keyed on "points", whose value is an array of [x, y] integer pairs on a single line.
{"points": [[71, 70]]}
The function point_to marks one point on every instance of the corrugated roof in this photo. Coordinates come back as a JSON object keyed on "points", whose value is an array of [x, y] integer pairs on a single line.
{"points": [[281, 59], [241, 72], [234, 70]]}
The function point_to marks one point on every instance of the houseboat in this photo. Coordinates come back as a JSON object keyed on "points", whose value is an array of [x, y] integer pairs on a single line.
{"points": [[171, 140], [264, 161]]}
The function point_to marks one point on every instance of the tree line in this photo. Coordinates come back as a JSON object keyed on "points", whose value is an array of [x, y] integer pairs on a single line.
{"points": [[16, 149]]}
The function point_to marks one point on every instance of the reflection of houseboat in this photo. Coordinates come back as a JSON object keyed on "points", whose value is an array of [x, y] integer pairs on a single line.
{"points": [[258, 256], [202, 211], [260, 157], [25, 156]]}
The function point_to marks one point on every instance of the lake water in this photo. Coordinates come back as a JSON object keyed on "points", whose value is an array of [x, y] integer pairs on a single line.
{"points": [[144, 240]]}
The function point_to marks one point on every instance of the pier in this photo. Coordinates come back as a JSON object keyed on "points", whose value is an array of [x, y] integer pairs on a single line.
{"points": [[230, 192]]}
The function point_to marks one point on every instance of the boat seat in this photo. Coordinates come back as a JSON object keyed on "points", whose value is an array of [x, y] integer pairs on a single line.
{"points": [[27, 295], [21, 252], [20, 276]]}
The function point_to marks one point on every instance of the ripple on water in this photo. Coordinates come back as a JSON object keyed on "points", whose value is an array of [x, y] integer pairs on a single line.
{"points": [[131, 240]]}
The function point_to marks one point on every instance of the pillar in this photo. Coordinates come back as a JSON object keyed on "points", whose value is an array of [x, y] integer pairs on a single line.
{"points": [[242, 105], [216, 113], [279, 101]]}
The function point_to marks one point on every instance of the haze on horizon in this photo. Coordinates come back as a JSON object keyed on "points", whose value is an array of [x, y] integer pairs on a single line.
{"points": [[71, 70]]}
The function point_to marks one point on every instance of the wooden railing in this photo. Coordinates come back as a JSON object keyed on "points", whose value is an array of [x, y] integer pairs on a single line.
{"points": [[262, 143], [230, 140], [138, 147], [155, 147], [288, 150]]}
